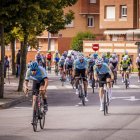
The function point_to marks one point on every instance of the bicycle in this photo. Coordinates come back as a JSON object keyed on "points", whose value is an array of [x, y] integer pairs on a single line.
{"points": [[126, 80], [38, 112], [63, 79], [106, 97], [49, 66], [56, 68], [80, 89]]}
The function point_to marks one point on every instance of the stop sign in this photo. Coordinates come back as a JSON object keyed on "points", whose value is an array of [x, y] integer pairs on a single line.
{"points": [[95, 47]]}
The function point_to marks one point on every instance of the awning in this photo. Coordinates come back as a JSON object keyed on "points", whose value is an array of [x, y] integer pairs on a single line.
{"points": [[137, 31], [120, 32], [115, 32]]}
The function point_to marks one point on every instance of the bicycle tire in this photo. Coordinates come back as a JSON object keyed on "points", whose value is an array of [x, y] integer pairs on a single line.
{"points": [[105, 108], [82, 95], [35, 117], [93, 85], [126, 84], [42, 120]]}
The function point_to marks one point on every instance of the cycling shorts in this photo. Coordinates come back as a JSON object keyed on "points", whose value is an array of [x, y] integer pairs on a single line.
{"points": [[68, 67], [102, 78], [125, 69], [36, 85], [81, 72], [61, 66]]}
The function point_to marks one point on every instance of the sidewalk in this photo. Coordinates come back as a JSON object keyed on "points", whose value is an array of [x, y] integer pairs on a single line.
{"points": [[11, 96]]}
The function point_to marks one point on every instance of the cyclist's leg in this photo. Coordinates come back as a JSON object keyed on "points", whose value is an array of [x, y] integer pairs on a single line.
{"points": [[123, 74], [102, 78], [35, 88], [77, 74], [43, 93], [138, 74], [83, 74], [108, 79]]}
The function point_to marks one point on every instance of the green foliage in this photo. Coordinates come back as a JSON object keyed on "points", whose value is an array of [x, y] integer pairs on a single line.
{"points": [[77, 42]]}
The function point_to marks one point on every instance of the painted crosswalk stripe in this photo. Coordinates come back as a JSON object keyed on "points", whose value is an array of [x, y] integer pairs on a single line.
{"points": [[115, 86], [52, 87], [68, 86], [134, 86]]}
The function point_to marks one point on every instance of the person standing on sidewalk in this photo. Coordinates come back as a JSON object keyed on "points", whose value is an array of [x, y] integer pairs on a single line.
{"points": [[18, 63], [6, 65]]}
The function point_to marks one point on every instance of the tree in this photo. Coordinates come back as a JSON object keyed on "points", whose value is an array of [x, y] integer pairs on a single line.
{"points": [[77, 42]]}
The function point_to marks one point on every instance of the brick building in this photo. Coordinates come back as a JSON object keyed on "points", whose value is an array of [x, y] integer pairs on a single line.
{"points": [[120, 20]]}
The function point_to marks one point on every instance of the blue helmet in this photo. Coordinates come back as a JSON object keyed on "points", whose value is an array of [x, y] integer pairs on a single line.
{"points": [[95, 55], [34, 65]]}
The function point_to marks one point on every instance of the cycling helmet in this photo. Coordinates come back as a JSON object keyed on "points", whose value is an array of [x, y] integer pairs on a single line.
{"points": [[81, 57], [139, 54], [126, 52], [95, 55], [34, 65], [49, 51], [69, 55], [56, 51], [99, 61], [113, 55], [126, 56], [103, 55]]}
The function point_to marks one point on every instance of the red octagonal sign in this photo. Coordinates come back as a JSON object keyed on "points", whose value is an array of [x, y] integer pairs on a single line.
{"points": [[95, 47]]}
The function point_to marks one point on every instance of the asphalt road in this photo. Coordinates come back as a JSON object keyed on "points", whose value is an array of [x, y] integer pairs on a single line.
{"points": [[67, 120]]}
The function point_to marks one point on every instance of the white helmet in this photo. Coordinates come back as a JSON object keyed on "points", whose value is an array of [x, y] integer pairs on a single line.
{"points": [[99, 61], [113, 55], [69, 55], [56, 51], [139, 54], [81, 57]]}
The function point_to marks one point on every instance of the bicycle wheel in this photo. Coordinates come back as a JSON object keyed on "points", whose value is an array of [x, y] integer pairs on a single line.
{"points": [[82, 95], [126, 83], [105, 103], [93, 85], [35, 117], [42, 120]]}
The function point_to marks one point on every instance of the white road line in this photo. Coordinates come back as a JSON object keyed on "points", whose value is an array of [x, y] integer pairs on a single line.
{"points": [[52, 87], [68, 86], [115, 86], [134, 86]]}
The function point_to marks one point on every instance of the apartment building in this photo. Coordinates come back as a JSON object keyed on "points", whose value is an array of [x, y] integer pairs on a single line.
{"points": [[120, 20]]}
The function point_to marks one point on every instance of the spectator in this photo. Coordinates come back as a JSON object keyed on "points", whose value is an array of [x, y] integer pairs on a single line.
{"points": [[18, 63], [6, 65]]}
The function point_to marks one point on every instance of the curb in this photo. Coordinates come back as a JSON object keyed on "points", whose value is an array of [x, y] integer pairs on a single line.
{"points": [[14, 102]]}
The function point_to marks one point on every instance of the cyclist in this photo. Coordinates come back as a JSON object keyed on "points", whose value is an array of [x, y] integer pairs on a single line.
{"points": [[40, 82], [125, 66], [39, 58], [80, 68], [113, 63], [49, 58], [69, 65], [65, 54], [91, 63], [61, 67], [138, 66], [108, 55], [105, 58], [103, 74], [56, 57]]}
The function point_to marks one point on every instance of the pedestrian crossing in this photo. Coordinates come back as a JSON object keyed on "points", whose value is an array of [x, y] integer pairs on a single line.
{"points": [[50, 87]]}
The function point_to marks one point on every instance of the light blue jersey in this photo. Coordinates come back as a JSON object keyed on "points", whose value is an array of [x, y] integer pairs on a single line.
{"points": [[39, 76], [79, 65], [103, 70]]}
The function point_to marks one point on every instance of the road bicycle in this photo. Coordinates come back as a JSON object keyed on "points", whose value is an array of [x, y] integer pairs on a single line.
{"points": [[105, 97], [126, 80], [49, 66], [56, 68], [80, 89], [38, 112]]}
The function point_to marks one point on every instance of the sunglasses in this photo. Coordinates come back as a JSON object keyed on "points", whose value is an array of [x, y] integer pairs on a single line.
{"points": [[33, 70]]}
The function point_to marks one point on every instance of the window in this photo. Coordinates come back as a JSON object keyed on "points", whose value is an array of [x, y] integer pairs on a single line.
{"points": [[92, 1], [90, 21], [70, 25], [110, 12], [123, 11]]}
